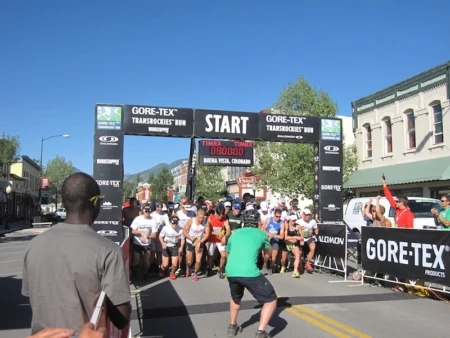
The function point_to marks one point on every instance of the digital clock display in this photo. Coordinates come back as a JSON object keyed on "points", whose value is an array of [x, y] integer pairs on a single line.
{"points": [[226, 153]]}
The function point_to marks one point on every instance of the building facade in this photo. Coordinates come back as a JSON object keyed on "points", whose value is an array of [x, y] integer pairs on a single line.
{"points": [[403, 132], [24, 178], [180, 180]]}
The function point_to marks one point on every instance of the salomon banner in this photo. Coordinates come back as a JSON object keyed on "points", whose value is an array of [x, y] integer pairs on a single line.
{"points": [[316, 200], [407, 253], [108, 171], [330, 185], [231, 125], [289, 128], [331, 240], [158, 121]]}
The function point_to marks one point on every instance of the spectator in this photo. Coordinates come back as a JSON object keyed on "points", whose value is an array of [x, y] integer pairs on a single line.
{"points": [[442, 218], [404, 218], [66, 267]]}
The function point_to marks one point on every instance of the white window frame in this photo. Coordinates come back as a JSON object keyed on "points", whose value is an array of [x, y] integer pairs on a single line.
{"points": [[387, 123], [433, 116], [368, 150], [410, 131]]}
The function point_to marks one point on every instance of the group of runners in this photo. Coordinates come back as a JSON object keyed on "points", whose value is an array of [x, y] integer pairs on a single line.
{"points": [[190, 239]]}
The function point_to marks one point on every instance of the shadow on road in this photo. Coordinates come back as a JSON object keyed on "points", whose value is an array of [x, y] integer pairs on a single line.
{"points": [[14, 308], [277, 322], [164, 293], [15, 238]]}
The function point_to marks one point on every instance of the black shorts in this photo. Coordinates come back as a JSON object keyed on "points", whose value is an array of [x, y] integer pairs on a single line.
{"points": [[141, 249], [190, 248], [259, 287], [170, 251]]}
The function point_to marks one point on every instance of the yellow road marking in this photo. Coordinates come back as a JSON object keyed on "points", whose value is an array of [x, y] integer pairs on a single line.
{"points": [[331, 321], [317, 323]]}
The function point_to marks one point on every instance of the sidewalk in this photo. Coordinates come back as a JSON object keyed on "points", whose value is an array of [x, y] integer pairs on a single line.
{"points": [[14, 226]]}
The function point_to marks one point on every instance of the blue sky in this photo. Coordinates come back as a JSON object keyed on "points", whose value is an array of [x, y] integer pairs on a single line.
{"points": [[59, 58]]}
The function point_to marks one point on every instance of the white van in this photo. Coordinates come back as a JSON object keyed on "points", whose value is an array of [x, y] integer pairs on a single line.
{"points": [[420, 206]]}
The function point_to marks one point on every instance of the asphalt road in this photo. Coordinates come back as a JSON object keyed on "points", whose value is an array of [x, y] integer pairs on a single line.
{"points": [[317, 305]]}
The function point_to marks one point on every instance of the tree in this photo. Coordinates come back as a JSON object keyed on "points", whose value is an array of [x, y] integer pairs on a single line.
{"points": [[350, 166], [210, 183], [161, 183], [9, 150], [128, 188], [138, 179], [287, 168], [57, 170], [151, 178]]}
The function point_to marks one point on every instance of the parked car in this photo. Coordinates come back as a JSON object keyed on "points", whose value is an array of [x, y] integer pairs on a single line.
{"points": [[420, 206], [59, 214]]}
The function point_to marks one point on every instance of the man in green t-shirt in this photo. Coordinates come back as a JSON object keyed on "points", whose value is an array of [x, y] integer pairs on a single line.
{"points": [[244, 247], [442, 219], [235, 217]]}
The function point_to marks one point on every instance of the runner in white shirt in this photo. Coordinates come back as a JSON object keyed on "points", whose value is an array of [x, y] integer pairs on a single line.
{"points": [[264, 213], [144, 229], [169, 238], [196, 234], [184, 214], [309, 229]]}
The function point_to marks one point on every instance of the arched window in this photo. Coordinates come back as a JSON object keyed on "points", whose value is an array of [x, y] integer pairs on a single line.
{"points": [[438, 135], [367, 140], [387, 130], [410, 129]]}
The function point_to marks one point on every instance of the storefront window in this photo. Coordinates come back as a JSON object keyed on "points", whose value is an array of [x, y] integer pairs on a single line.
{"points": [[437, 192]]}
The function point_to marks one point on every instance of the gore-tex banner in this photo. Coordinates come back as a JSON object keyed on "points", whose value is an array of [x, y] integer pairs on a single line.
{"points": [[158, 121], [331, 240], [330, 186], [407, 253], [316, 181], [226, 124], [109, 221], [289, 128]]}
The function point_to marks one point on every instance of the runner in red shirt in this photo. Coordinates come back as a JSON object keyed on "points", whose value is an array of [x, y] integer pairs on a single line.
{"points": [[404, 218]]}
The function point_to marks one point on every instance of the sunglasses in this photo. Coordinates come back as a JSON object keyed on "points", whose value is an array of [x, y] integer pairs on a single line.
{"points": [[443, 201], [146, 210], [159, 206], [174, 221]]}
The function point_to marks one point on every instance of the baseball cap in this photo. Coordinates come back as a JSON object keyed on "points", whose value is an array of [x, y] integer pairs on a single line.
{"points": [[237, 206], [188, 207], [306, 211], [293, 217], [249, 206], [264, 206], [174, 219], [227, 204], [282, 200]]}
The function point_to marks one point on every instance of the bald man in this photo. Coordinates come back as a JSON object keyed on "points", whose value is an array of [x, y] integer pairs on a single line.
{"points": [[66, 267]]}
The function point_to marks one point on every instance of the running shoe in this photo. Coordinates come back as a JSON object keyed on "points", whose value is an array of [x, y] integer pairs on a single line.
{"points": [[296, 274], [172, 276], [233, 330], [195, 277], [261, 334]]}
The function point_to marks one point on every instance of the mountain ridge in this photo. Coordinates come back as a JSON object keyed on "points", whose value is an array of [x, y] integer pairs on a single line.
{"points": [[156, 169]]}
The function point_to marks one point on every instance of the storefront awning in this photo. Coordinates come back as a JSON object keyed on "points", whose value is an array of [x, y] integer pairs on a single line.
{"points": [[420, 171]]}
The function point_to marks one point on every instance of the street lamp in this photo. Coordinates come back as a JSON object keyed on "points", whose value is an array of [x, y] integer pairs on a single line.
{"points": [[40, 179], [8, 191]]}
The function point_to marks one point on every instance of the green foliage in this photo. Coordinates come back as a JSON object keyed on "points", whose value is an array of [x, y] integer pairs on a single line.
{"points": [[128, 188], [151, 177], [161, 183], [57, 170], [210, 183], [287, 168], [350, 166], [138, 179], [9, 149]]}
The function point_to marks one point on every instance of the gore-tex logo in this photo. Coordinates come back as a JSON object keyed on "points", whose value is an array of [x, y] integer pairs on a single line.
{"points": [[420, 254]]}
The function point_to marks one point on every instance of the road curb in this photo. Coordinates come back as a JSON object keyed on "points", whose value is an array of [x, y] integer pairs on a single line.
{"points": [[4, 232]]}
